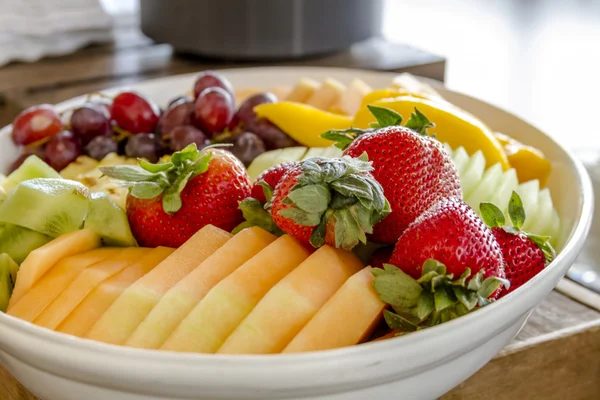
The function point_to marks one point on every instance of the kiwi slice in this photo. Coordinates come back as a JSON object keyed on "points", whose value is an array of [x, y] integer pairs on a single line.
{"points": [[109, 221], [8, 277], [32, 167], [18, 242], [48, 206]]}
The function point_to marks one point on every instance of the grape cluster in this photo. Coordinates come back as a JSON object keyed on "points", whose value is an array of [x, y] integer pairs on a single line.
{"points": [[132, 125]]}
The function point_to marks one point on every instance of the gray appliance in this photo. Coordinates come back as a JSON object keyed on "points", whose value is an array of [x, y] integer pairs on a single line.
{"points": [[260, 29]]}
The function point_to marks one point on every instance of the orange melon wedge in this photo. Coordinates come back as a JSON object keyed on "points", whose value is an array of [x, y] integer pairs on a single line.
{"points": [[227, 304], [176, 304], [291, 303], [81, 319], [83, 284], [43, 258], [136, 302], [36, 299], [346, 319]]}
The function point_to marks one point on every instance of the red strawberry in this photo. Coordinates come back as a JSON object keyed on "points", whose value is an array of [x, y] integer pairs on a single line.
{"points": [[444, 265], [271, 177], [381, 256], [170, 202], [525, 254], [414, 169], [333, 201]]}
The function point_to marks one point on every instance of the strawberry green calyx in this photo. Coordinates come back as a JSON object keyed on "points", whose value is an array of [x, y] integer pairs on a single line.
{"points": [[148, 181], [385, 117], [255, 214], [434, 298], [336, 196], [494, 218]]}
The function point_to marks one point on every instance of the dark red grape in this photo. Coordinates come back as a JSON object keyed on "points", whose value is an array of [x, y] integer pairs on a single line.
{"points": [[184, 135], [135, 113], [246, 146], [178, 114], [213, 111], [144, 145], [210, 79], [89, 121], [245, 114], [36, 123], [100, 146], [179, 99], [62, 150], [271, 135]]}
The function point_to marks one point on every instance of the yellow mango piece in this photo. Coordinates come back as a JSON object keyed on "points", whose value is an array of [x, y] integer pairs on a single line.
{"points": [[529, 162], [227, 304], [136, 302], [36, 299], [84, 283], [452, 125], [348, 318], [291, 303], [176, 304], [43, 258], [302, 122], [81, 319]]}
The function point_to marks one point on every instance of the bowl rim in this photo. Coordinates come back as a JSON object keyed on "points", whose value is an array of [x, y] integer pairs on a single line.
{"points": [[347, 355]]}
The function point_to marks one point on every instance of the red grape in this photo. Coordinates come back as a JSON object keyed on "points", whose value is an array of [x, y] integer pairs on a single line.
{"points": [[245, 113], [178, 99], [135, 113], [145, 145], [89, 121], [100, 146], [62, 149], [36, 123], [246, 146], [179, 113], [271, 135], [184, 135], [213, 110], [210, 79]]}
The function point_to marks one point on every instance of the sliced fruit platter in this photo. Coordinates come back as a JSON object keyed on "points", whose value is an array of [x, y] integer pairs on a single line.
{"points": [[308, 218]]}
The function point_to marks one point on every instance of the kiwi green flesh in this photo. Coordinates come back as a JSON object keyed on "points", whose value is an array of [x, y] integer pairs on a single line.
{"points": [[48, 206], [109, 221], [33, 167], [8, 276], [18, 242]]}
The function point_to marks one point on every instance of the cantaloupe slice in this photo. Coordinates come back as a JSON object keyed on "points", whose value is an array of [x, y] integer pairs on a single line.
{"points": [[345, 320], [176, 304], [291, 303], [84, 283], [208, 325], [36, 299], [97, 302], [136, 302], [43, 258]]}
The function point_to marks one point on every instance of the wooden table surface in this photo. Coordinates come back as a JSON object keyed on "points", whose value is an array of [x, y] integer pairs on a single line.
{"points": [[556, 355]]}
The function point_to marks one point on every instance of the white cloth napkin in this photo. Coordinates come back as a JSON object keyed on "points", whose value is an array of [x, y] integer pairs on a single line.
{"points": [[32, 29]]}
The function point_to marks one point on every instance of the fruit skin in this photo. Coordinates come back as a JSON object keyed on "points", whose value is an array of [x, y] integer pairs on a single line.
{"points": [[135, 113], [62, 149], [529, 162], [179, 113], [302, 122], [34, 124], [89, 121], [209, 196], [523, 259], [381, 256], [525, 254], [452, 125], [246, 147], [213, 110], [210, 79], [451, 233], [423, 173], [271, 177]]}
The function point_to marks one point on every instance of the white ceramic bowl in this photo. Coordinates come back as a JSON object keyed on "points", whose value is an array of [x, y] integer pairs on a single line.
{"points": [[423, 365]]}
